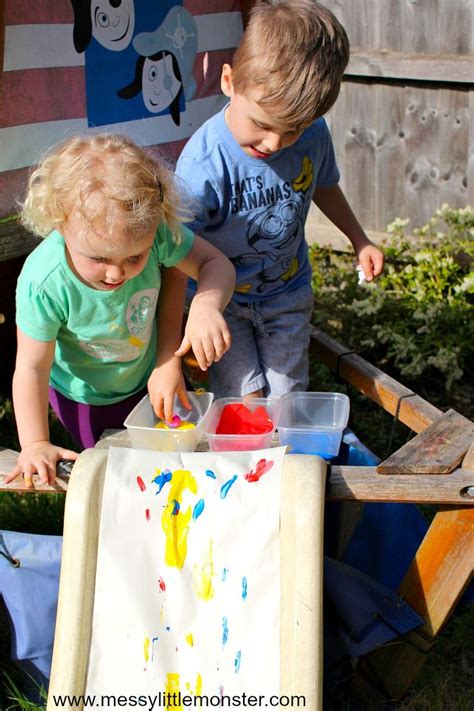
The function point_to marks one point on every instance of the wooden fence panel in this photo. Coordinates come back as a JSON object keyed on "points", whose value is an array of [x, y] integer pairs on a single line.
{"points": [[403, 124]]}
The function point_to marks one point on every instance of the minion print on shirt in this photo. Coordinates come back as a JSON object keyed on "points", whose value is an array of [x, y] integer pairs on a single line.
{"points": [[273, 231]]}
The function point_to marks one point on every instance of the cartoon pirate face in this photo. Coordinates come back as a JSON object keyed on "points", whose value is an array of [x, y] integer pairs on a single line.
{"points": [[159, 82], [164, 68], [113, 22]]}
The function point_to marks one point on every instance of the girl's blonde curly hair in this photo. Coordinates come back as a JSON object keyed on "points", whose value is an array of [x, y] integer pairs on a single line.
{"points": [[106, 180]]}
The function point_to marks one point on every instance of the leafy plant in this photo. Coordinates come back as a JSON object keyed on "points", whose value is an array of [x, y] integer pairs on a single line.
{"points": [[416, 321]]}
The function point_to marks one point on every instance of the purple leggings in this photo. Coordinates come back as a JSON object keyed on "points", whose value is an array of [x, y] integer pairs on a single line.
{"points": [[85, 423]]}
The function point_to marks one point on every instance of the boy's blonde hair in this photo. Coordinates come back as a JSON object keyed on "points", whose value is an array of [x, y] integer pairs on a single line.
{"points": [[296, 52], [106, 180]]}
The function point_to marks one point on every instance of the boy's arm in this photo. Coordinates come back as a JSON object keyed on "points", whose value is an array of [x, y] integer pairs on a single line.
{"points": [[206, 330], [167, 379], [332, 202], [30, 399]]}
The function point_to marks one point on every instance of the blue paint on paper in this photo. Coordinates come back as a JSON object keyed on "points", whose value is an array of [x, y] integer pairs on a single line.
{"points": [[176, 508], [198, 509], [225, 630], [155, 639], [225, 487], [238, 658], [244, 588], [161, 479], [224, 574], [210, 474]]}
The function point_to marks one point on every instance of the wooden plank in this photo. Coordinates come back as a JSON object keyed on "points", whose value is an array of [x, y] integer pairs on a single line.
{"points": [[468, 461], [357, 142], [435, 581], [18, 486], [391, 154], [413, 411], [436, 450], [15, 241], [8, 459], [438, 68], [455, 22], [421, 169], [356, 484], [454, 139], [365, 484]]}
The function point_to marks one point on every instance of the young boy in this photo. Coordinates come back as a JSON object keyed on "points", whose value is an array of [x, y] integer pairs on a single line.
{"points": [[252, 171]]}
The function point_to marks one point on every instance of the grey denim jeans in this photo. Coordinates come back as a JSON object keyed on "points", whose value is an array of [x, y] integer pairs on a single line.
{"points": [[269, 351]]}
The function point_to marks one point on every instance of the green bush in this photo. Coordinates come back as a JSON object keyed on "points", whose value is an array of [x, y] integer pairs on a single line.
{"points": [[416, 320]]}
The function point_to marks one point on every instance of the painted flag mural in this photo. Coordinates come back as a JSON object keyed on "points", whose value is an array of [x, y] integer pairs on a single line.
{"points": [[144, 68]]}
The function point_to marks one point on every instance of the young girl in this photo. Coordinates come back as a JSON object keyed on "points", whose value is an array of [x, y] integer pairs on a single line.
{"points": [[88, 294]]}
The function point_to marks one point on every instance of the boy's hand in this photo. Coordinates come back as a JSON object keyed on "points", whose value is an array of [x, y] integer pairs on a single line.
{"points": [[164, 383], [206, 333], [371, 260], [41, 458]]}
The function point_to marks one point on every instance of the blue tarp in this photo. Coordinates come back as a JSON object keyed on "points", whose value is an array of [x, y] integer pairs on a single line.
{"points": [[29, 594]]}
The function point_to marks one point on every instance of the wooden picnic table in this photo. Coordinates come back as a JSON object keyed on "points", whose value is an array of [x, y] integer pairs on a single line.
{"points": [[435, 467]]}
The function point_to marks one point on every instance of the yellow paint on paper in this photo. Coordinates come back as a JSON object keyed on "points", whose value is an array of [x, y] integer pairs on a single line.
{"points": [[198, 691], [176, 526], [190, 639], [202, 576], [172, 687], [146, 649]]}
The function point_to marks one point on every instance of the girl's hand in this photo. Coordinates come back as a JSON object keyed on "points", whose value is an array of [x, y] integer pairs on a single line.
{"points": [[371, 260], [40, 458], [164, 383], [206, 333]]}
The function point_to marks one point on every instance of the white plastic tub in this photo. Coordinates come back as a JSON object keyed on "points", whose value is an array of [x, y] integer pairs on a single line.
{"points": [[143, 434], [313, 423], [240, 442]]}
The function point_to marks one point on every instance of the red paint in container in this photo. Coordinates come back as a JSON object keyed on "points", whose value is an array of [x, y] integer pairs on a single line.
{"points": [[241, 424], [236, 418]]}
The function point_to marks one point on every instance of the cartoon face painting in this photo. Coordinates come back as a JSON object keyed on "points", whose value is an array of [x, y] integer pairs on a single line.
{"points": [[160, 85], [110, 22], [113, 22], [164, 68]]}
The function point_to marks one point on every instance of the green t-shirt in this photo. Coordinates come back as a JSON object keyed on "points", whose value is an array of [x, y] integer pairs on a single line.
{"points": [[105, 340]]}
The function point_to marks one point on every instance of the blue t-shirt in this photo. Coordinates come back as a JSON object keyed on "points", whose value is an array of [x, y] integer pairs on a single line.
{"points": [[254, 210], [105, 340]]}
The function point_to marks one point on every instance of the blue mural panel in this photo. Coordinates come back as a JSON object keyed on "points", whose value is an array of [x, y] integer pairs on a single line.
{"points": [[139, 58]]}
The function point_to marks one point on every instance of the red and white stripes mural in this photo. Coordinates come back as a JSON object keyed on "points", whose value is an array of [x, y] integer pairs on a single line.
{"points": [[147, 68]]}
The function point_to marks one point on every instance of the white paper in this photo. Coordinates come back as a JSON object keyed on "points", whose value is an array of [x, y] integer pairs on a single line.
{"points": [[194, 610]]}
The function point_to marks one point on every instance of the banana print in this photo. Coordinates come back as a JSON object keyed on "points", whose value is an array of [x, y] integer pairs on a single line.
{"points": [[291, 271], [305, 178]]}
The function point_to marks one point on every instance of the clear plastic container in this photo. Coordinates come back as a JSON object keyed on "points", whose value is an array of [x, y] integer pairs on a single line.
{"points": [[143, 434], [313, 423], [239, 442]]}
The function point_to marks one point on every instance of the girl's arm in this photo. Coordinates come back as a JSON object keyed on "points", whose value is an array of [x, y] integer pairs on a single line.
{"points": [[206, 330], [332, 202], [30, 400], [167, 379]]}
